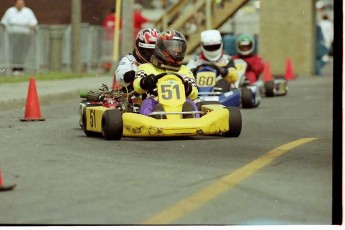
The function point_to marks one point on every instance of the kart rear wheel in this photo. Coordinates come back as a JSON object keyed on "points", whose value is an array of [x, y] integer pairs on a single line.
{"points": [[235, 122], [269, 89], [112, 124], [82, 105], [247, 98], [87, 132]]}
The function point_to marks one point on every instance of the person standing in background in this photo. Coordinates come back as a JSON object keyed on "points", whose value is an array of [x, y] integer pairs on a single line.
{"points": [[138, 18], [109, 23], [109, 27], [20, 23], [327, 30], [321, 51]]}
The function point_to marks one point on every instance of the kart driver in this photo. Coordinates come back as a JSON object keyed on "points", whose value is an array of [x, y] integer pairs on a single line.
{"points": [[212, 52], [144, 47], [169, 52], [245, 45]]}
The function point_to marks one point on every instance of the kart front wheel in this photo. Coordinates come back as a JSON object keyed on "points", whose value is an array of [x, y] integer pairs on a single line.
{"points": [[247, 98], [112, 124], [269, 89], [235, 122]]}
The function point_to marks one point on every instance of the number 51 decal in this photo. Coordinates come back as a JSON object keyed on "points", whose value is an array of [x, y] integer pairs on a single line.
{"points": [[92, 118], [170, 92]]}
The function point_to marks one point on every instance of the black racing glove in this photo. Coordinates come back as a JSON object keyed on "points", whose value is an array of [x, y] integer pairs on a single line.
{"points": [[223, 71], [249, 67], [148, 82], [188, 86], [129, 76]]}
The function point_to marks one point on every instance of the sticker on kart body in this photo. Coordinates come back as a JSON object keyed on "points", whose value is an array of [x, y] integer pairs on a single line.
{"points": [[206, 79], [171, 92], [209, 98], [227, 94], [93, 118]]}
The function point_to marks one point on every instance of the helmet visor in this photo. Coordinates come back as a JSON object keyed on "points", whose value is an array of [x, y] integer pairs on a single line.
{"points": [[212, 47], [245, 47], [174, 47]]}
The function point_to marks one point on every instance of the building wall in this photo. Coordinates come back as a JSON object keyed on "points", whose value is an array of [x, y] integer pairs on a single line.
{"points": [[287, 30], [59, 11]]}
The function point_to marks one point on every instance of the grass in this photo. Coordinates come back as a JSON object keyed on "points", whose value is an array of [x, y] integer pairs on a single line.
{"points": [[45, 77]]}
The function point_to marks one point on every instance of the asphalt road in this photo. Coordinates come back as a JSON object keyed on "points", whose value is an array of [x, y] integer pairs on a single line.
{"points": [[279, 171]]}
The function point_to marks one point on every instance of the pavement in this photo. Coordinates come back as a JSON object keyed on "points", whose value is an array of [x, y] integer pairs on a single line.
{"points": [[14, 95]]}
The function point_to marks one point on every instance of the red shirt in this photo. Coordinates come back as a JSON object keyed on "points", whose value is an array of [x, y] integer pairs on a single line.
{"points": [[254, 62], [109, 22], [139, 19], [109, 26]]}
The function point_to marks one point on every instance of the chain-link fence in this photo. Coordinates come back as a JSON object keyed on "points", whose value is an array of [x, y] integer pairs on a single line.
{"points": [[19, 51], [32, 53]]}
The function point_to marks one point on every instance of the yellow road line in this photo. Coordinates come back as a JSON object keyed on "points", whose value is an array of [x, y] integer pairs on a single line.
{"points": [[196, 200]]}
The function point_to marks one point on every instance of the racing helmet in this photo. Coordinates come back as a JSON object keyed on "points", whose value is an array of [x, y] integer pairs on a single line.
{"points": [[245, 44], [171, 48], [211, 44], [145, 44]]}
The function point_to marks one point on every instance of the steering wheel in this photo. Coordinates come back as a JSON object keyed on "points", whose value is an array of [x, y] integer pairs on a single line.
{"points": [[209, 64]]}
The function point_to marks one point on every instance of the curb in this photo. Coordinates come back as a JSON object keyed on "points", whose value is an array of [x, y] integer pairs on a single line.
{"points": [[20, 103]]}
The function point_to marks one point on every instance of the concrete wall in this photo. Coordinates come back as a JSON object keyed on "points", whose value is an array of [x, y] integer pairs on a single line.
{"points": [[287, 30]]}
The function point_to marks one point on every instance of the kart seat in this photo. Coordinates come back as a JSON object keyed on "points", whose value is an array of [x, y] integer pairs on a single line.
{"points": [[159, 108], [187, 107]]}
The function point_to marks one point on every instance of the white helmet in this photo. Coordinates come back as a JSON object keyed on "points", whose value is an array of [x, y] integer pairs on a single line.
{"points": [[211, 44]]}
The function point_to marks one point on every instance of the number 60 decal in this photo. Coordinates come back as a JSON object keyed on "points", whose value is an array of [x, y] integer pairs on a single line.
{"points": [[206, 79]]}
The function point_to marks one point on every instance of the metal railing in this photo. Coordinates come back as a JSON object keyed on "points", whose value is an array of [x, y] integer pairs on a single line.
{"points": [[96, 47], [34, 52], [19, 50], [206, 14]]}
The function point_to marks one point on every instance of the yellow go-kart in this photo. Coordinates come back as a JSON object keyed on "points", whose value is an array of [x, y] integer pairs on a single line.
{"points": [[213, 119]]}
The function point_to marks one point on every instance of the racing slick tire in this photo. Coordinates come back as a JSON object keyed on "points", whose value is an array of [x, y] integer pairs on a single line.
{"points": [[82, 105], [201, 103], [235, 122], [222, 83], [247, 98], [112, 124], [269, 89], [87, 132]]}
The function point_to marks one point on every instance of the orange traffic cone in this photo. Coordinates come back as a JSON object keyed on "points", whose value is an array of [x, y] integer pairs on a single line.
{"points": [[267, 72], [5, 187], [115, 85], [32, 109], [289, 75]]}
